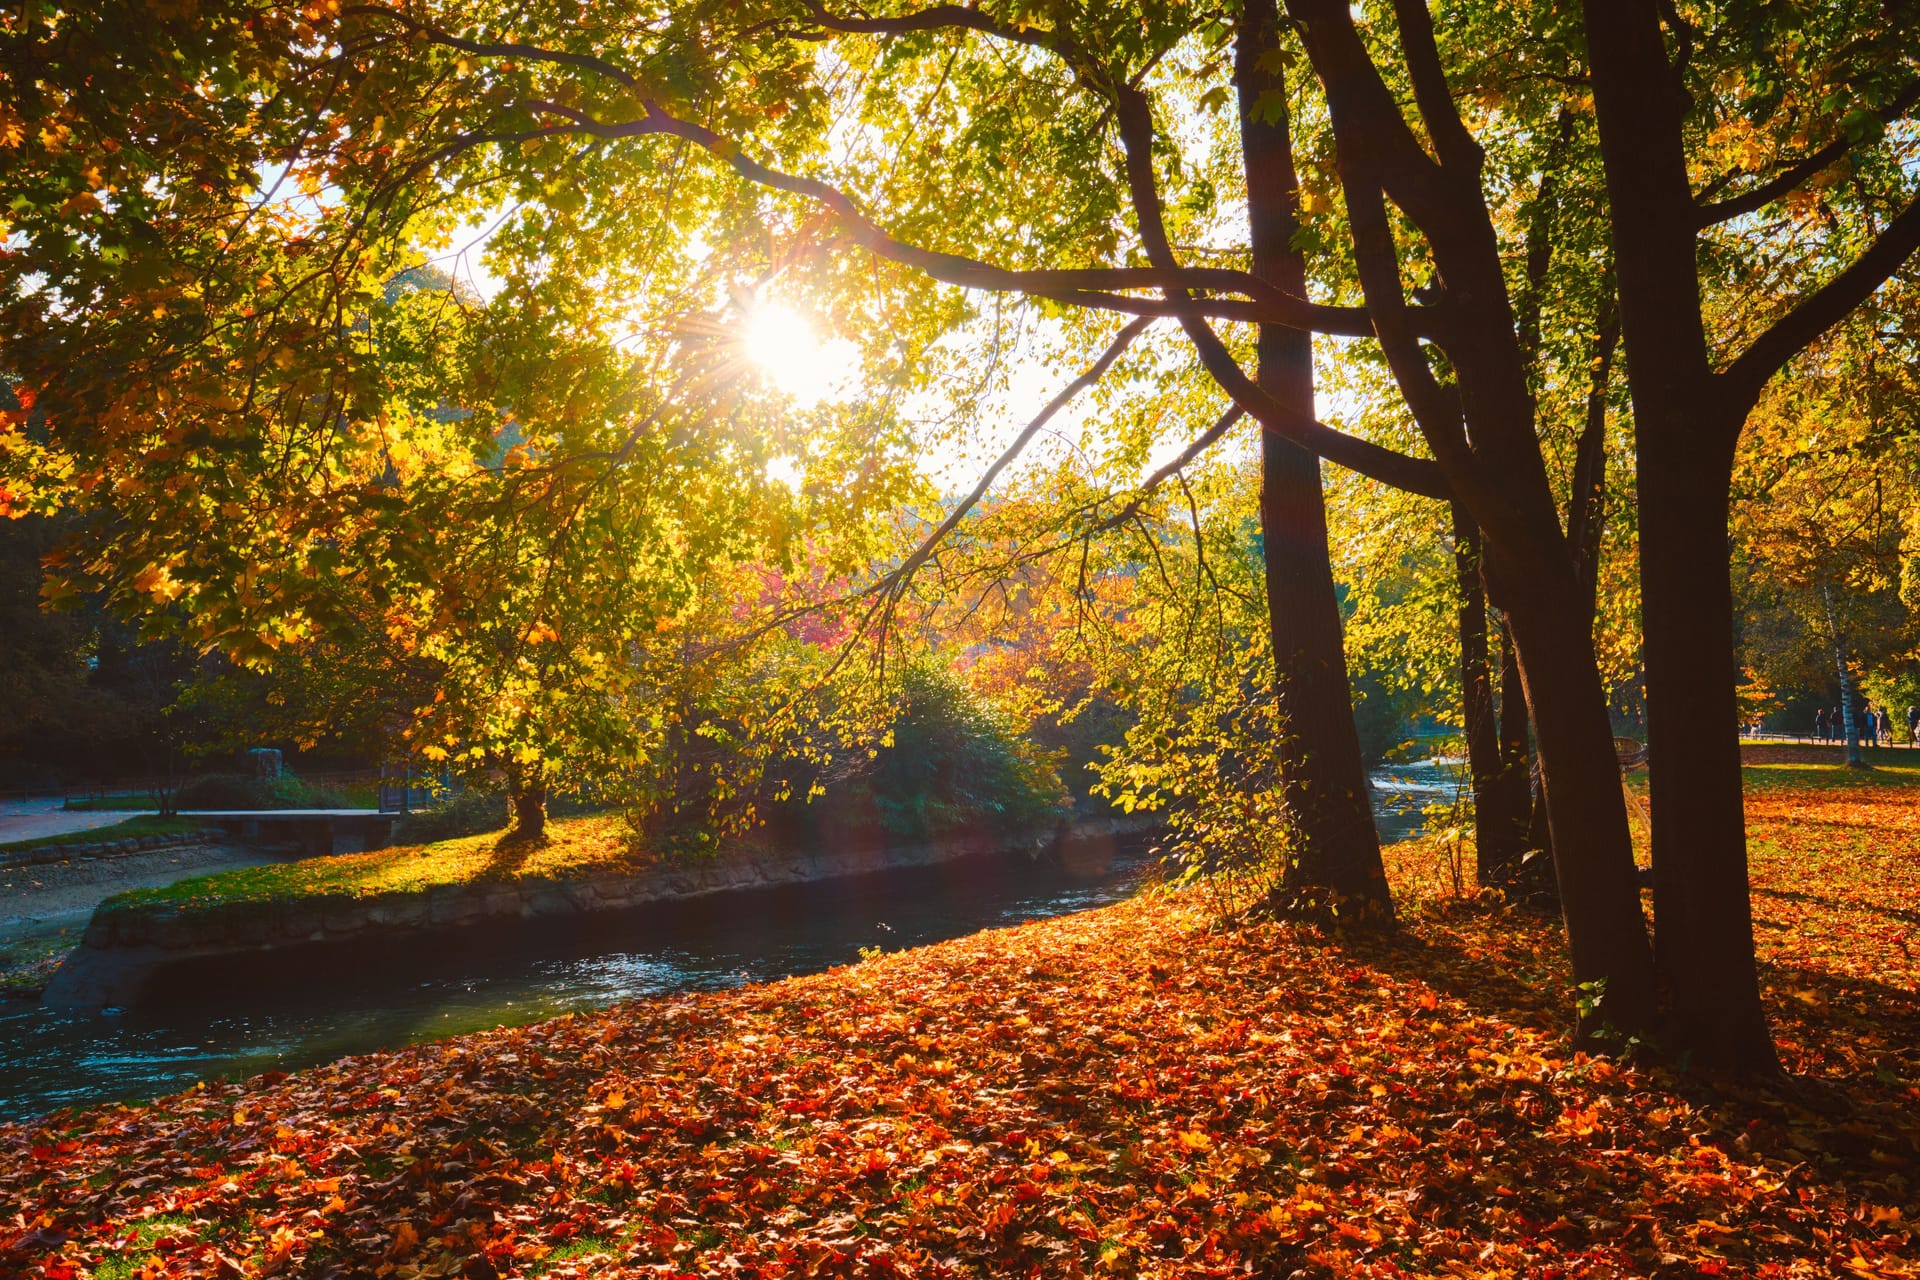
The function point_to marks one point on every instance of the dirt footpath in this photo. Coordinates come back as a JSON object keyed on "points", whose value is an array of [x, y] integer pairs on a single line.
{"points": [[59, 895], [39, 818]]}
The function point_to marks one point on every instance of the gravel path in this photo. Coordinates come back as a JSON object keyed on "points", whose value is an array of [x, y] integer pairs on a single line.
{"points": [[32, 819], [57, 895]]}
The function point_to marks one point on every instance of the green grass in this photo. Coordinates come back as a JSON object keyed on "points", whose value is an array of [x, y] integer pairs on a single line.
{"points": [[1825, 766], [148, 1230], [584, 1247], [147, 824], [95, 804], [27, 963], [139, 1250], [575, 848]]}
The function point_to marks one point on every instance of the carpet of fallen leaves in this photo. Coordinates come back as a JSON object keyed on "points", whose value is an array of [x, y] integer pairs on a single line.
{"points": [[1129, 1091]]}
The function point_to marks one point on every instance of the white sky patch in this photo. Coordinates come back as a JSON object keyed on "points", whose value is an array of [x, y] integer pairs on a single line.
{"points": [[464, 257], [790, 352], [787, 471]]}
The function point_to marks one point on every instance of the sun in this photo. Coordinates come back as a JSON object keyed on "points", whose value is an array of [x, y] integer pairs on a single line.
{"points": [[787, 349]]}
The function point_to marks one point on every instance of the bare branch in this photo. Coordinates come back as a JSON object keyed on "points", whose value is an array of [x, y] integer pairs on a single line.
{"points": [[896, 581], [1820, 311], [1795, 174], [1200, 444]]}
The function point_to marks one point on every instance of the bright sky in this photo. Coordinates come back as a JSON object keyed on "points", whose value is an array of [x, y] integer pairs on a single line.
{"points": [[811, 367]]}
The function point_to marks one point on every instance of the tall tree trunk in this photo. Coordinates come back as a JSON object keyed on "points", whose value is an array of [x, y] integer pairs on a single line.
{"points": [[1703, 934], [1592, 846], [1323, 775], [1684, 441], [529, 813], [1849, 718], [527, 798], [1496, 837]]}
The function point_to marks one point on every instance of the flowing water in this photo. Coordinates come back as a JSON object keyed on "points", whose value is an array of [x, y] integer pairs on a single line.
{"points": [[283, 1011], [1402, 792], [234, 1018]]}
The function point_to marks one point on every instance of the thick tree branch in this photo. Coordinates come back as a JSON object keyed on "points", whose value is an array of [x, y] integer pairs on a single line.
{"points": [[1454, 144], [1797, 173], [1370, 115], [1097, 288], [1092, 287], [1134, 117], [1819, 311], [502, 48], [945, 17]]}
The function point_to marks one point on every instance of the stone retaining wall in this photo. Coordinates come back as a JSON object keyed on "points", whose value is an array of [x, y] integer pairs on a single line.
{"points": [[123, 949], [40, 855]]}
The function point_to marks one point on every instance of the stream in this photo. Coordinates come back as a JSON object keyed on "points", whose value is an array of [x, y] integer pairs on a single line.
{"points": [[223, 1019]]}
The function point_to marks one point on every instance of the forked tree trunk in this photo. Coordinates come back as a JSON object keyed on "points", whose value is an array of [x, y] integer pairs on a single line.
{"points": [[1483, 430], [1336, 852], [1685, 431]]}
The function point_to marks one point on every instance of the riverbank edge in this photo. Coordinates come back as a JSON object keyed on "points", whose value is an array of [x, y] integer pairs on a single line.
{"points": [[122, 951], [25, 855]]}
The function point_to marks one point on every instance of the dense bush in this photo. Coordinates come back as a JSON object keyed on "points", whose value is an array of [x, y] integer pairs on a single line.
{"points": [[954, 764], [949, 765], [461, 813], [248, 791]]}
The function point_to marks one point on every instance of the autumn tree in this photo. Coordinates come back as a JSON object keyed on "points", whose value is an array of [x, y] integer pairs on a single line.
{"points": [[266, 441], [1761, 187], [520, 111]]}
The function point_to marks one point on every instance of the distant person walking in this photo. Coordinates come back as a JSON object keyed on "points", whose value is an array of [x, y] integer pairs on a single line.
{"points": [[1819, 724], [1869, 731], [1913, 724]]}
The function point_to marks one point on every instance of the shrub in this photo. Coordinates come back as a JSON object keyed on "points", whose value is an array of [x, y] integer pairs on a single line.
{"points": [[461, 813], [955, 763], [247, 791]]}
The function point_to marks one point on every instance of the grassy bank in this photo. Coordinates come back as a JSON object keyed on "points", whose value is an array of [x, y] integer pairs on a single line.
{"points": [[1768, 765], [27, 963], [1124, 1092], [145, 824], [575, 848], [131, 803]]}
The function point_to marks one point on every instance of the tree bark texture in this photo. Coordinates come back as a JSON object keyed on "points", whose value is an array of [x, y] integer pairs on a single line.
{"points": [[1481, 427], [529, 804], [1591, 858], [1684, 444], [1849, 716], [1496, 837], [1336, 849]]}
